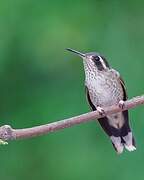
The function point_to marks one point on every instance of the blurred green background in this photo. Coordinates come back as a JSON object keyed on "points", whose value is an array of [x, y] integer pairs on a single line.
{"points": [[40, 82]]}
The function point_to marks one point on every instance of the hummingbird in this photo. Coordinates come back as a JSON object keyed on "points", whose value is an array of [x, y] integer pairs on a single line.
{"points": [[104, 87]]}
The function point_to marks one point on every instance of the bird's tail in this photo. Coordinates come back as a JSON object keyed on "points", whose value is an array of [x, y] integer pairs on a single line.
{"points": [[124, 140], [129, 142], [120, 137]]}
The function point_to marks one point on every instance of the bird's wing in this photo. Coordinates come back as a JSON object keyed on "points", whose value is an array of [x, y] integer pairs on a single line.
{"points": [[126, 132], [124, 88], [126, 127], [89, 100], [119, 78]]}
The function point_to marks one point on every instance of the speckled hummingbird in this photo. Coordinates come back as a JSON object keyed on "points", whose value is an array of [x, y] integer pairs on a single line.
{"points": [[105, 87]]}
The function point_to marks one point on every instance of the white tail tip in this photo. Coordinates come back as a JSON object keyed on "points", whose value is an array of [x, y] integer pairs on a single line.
{"points": [[130, 147], [119, 149]]}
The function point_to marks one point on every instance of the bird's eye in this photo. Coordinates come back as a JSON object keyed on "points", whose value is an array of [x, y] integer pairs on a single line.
{"points": [[96, 58]]}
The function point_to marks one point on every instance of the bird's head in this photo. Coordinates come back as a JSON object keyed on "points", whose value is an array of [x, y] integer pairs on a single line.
{"points": [[92, 60]]}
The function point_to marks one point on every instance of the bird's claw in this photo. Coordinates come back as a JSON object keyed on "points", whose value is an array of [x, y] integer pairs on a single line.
{"points": [[121, 104], [101, 111]]}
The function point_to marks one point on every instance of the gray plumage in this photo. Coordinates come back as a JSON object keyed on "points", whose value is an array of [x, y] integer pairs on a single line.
{"points": [[104, 87]]}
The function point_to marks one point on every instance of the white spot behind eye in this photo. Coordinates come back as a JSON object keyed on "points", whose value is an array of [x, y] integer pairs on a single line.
{"points": [[102, 62]]}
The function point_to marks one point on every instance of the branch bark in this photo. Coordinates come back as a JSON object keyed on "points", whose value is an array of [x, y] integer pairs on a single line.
{"points": [[8, 133]]}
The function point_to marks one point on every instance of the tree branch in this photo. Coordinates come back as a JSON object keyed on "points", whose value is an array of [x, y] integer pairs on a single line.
{"points": [[8, 133]]}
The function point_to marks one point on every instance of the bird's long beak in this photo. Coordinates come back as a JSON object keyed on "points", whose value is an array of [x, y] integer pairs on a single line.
{"points": [[76, 52]]}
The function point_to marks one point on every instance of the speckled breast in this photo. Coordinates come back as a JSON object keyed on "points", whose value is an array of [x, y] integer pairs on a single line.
{"points": [[104, 88]]}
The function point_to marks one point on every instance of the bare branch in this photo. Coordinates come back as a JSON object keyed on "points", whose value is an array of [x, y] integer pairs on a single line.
{"points": [[8, 133]]}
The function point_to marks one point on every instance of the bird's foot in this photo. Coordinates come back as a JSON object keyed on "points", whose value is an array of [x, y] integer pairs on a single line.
{"points": [[121, 104], [2, 142], [101, 111]]}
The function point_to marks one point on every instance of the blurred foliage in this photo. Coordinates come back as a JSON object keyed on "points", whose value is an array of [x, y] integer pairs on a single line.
{"points": [[41, 82]]}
